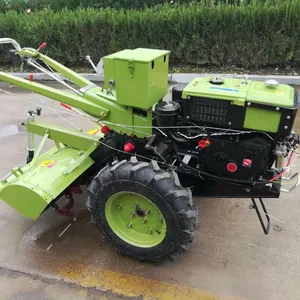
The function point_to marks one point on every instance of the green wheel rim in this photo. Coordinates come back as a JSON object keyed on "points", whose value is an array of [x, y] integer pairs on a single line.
{"points": [[135, 219]]}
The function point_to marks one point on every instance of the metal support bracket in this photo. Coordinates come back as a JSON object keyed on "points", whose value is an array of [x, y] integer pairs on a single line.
{"points": [[295, 179], [83, 156], [266, 228]]}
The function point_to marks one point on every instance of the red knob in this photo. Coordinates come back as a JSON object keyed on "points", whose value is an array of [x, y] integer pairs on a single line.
{"points": [[203, 143], [232, 167], [247, 162], [44, 45], [105, 129], [31, 77], [128, 147]]}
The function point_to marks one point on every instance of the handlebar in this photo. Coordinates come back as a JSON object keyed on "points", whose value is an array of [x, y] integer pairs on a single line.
{"points": [[10, 41]]}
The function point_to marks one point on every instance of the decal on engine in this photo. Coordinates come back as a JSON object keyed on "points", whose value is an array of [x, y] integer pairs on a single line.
{"points": [[223, 89], [48, 163]]}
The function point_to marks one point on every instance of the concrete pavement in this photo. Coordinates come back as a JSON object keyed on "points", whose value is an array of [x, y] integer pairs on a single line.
{"points": [[231, 258]]}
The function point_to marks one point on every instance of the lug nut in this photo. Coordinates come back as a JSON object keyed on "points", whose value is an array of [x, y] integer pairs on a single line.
{"points": [[119, 206], [150, 231], [144, 220], [129, 225]]}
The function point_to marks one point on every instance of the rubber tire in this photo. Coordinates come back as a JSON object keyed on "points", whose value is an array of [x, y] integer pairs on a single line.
{"points": [[165, 191]]}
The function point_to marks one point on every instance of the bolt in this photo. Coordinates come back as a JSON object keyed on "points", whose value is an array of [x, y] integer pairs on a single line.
{"points": [[231, 103], [161, 220], [147, 212], [119, 206], [102, 113], [229, 123], [129, 225], [134, 205], [150, 231], [189, 97], [132, 215], [144, 220], [288, 117], [285, 127], [277, 108], [187, 117], [65, 172], [249, 103]]}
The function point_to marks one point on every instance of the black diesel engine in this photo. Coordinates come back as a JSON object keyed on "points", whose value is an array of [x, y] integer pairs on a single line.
{"points": [[233, 129]]}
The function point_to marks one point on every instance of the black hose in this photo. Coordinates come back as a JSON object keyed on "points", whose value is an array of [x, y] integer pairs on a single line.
{"points": [[174, 138]]}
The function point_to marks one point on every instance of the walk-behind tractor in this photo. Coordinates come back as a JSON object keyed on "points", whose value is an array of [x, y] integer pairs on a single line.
{"points": [[147, 156]]}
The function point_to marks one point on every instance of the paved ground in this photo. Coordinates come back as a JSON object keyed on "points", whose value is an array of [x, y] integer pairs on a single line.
{"points": [[230, 259]]}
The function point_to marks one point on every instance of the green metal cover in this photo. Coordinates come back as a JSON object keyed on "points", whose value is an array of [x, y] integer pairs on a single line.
{"points": [[262, 119], [234, 90], [140, 76], [282, 96], [30, 189], [142, 55], [231, 90]]}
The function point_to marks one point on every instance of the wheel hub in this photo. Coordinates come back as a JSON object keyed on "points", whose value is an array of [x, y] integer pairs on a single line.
{"points": [[135, 219]]}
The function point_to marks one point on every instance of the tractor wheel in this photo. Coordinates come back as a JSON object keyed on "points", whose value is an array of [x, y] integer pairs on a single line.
{"points": [[143, 210]]}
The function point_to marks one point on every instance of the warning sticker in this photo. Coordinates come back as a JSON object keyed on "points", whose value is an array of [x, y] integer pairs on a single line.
{"points": [[93, 131], [48, 163]]}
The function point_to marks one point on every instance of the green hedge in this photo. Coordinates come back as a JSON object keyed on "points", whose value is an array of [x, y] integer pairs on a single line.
{"points": [[22, 5], [56, 5], [254, 35]]}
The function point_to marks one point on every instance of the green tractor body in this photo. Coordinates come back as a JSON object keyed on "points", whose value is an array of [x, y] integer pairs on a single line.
{"points": [[220, 137]]}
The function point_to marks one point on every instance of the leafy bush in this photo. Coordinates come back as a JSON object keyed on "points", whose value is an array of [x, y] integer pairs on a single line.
{"points": [[34, 5], [262, 33]]}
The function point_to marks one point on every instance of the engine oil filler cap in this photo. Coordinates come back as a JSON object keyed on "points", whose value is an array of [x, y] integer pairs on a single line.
{"points": [[216, 80], [271, 83], [231, 167]]}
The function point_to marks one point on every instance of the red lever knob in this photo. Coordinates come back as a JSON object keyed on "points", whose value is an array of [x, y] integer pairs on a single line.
{"points": [[66, 105], [105, 129], [44, 45]]}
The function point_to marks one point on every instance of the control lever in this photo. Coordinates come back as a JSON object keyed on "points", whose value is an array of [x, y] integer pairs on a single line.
{"points": [[88, 58], [22, 67], [43, 46]]}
